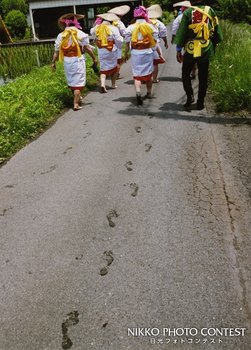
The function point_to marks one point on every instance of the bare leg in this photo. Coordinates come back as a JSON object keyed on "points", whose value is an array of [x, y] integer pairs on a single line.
{"points": [[118, 71], [155, 73], [102, 82], [113, 79], [149, 85], [77, 94], [137, 84]]}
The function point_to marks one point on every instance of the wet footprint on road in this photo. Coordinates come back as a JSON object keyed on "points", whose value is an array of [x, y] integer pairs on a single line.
{"points": [[4, 211], [135, 189], [105, 324], [67, 149], [87, 135], [150, 115], [53, 167], [138, 129], [148, 147], [108, 257], [112, 214], [128, 165], [10, 186], [71, 320], [79, 257]]}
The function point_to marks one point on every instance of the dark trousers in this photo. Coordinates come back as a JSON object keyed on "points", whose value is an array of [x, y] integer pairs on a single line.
{"points": [[203, 67]]}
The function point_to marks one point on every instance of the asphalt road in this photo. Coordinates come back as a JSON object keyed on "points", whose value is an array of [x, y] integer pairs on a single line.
{"points": [[121, 217]]}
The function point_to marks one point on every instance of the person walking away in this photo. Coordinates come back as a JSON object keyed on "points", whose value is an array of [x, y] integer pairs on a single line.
{"points": [[141, 38], [155, 12], [183, 5], [176, 23], [108, 41], [199, 33], [70, 46], [120, 11]]}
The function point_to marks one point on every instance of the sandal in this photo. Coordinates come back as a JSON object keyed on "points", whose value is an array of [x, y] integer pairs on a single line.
{"points": [[77, 108], [103, 90], [156, 81], [148, 95]]}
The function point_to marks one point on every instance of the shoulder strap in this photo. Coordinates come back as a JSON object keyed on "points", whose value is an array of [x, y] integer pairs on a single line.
{"points": [[204, 12]]}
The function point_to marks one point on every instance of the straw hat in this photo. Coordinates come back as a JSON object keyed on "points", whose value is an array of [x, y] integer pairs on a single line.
{"points": [[154, 11], [120, 10], [110, 17], [67, 16], [182, 3]]}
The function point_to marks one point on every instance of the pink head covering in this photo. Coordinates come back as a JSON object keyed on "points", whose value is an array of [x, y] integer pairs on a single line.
{"points": [[98, 21], [74, 22], [141, 11]]}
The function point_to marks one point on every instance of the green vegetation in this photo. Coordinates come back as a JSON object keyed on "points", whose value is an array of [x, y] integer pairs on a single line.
{"points": [[13, 13], [8, 5], [235, 10], [31, 103], [231, 69], [167, 17], [18, 60], [16, 23]]}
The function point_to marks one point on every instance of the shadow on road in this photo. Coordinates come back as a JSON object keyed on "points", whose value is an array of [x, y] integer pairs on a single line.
{"points": [[129, 82], [125, 99], [170, 79], [176, 112]]}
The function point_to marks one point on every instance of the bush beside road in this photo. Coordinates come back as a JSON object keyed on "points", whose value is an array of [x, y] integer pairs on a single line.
{"points": [[30, 103]]}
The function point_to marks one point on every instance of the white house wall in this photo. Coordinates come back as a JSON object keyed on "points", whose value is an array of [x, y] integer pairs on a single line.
{"points": [[62, 3]]}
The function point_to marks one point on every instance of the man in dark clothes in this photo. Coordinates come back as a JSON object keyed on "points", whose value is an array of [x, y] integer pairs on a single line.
{"points": [[198, 34]]}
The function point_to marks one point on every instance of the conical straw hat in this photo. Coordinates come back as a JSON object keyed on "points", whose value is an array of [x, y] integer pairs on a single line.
{"points": [[67, 16], [110, 17], [154, 11], [120, 10], [182, 3]]}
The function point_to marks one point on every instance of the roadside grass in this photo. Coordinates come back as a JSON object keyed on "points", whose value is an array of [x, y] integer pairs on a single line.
{"points": [[31, 102], [230, 71], [18, 60]]}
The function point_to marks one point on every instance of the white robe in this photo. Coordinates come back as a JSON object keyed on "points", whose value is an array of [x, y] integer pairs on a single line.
{"points": [[162, 33], [74, 67], [108, 59], [122, 30], [141, 60]]}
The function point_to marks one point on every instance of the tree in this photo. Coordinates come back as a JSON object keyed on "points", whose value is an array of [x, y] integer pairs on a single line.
{"points": [[16, 23], [8, 5], [235, 10]]}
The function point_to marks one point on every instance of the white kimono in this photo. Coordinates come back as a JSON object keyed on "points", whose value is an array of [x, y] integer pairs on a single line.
{"points": [[162, 33], [74, 67], [122, 30], [141, 60], [108, 59]]}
